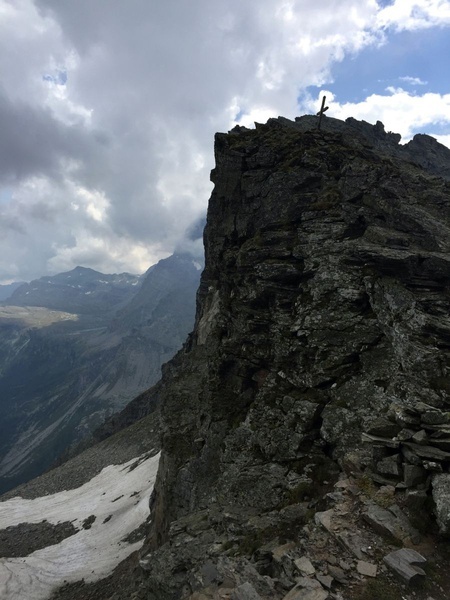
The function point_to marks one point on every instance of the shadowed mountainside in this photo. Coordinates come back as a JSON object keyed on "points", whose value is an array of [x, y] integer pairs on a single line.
{"points": [[63, 373]]}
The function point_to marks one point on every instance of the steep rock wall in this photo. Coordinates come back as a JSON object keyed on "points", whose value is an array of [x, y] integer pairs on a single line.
{"points": [[322, 316]]}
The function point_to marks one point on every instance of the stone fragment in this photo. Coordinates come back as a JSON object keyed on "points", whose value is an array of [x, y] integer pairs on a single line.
{"points": [[280, 551], [365, 568], [245, 592], [405, 434], [325, 580], [384, 428], [428, 451], [404, 563], [432, 465], [305, 594], [373, 439], [351, 541], [392, 523], [413, 475], [390, 466], [404, 417], [415, 499], [410, 456], [443, 443], [324, 519], [420, 437], [344, 565], [304, 565], [209, 573], [337, 573], [441, 496], [434, 417], [308, 582]]}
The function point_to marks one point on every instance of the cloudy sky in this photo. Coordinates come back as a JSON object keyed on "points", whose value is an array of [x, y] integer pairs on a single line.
{"points": [[108, 108]]}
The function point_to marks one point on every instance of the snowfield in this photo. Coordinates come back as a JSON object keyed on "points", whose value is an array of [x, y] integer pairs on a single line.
{"points": [[119, 494]]}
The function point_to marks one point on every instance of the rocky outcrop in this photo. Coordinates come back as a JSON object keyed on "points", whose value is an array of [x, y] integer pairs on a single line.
{"points": [[321, 347]]}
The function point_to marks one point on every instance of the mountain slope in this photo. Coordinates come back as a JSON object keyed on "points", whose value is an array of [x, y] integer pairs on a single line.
{"points": [[62, 374]]}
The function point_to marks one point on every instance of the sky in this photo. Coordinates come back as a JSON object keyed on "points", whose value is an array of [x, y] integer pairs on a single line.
{"points": [[108, 108]]}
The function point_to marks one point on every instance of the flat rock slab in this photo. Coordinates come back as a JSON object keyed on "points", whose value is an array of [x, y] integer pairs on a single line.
{"points": [[392, 523], [245, 592], [306, 594], [405, 563], [367, 569], [324, 519], [305, 566], [325, 580]]}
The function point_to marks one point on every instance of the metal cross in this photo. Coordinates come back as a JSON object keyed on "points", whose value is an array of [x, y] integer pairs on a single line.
{"points": [[323, 109]]}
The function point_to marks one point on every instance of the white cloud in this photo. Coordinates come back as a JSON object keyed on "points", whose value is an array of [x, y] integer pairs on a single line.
{"points": [[399, 110], [413, 80], [414, 14]]}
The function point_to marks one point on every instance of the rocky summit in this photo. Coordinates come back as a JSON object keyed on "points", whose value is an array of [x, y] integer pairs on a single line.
{"points": [[308, 416], [305, 424]]}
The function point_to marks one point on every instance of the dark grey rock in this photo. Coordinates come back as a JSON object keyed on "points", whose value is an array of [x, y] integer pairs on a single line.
{"points": [[245, 592], [428, 452], [390, 523], [441, 496], [405, 563], [413, 475], [382, 427], [390, 466], [420, 437], [415, 500], [435, 417]]}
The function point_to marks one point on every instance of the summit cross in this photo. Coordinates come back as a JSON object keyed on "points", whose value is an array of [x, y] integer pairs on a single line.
{"points": [[323, 109]]}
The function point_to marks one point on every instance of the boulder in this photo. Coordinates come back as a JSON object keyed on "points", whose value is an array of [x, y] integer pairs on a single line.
{"points": [[405, 563], [441, 495]]}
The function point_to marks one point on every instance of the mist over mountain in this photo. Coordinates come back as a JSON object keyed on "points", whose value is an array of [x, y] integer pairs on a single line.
{"points": [[7, 289], [76, 347]]}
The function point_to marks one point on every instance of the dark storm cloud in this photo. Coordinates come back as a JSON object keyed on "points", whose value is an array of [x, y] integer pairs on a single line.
{"points": [[32, 142]]}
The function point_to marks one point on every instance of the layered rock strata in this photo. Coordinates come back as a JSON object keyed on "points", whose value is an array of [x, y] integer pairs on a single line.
{"points": [[322, 324]]}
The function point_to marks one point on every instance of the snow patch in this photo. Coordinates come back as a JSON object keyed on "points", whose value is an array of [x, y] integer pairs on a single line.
{"points": [[120, 492]]}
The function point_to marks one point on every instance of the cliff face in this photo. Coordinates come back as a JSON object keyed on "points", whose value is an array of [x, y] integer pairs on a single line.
{"points": [[321, 346]]}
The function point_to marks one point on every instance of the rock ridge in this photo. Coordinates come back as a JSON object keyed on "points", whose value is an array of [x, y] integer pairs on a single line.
{"points": [[314, 387]]}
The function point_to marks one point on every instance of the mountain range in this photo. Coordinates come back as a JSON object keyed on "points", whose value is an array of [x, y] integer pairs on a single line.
{"points": [[76, 347]]}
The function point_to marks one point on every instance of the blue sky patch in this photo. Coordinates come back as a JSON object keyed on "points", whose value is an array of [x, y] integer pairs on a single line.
{"points": [[419, 54], [58, 78]]}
